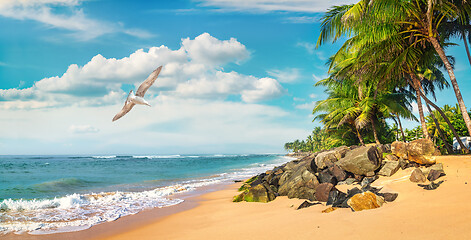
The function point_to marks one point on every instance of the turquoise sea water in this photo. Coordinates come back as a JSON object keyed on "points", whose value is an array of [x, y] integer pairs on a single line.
{"points": [[41, 194]]}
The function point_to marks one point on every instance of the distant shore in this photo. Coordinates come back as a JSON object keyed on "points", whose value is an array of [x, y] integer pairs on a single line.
{"points": [[416, 214]]}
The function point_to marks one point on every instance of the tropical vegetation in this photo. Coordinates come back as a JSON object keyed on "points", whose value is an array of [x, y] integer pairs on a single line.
{"points": [[394, 55]]}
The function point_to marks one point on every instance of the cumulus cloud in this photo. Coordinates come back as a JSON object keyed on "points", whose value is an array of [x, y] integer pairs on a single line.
{"points": [[302, 19], [73, 18], [285, 76], [274, 5], [307, 106], [192, 71]]}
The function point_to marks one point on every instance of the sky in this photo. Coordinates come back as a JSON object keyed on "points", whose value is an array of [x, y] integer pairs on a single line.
{"points": [[237, 76]]}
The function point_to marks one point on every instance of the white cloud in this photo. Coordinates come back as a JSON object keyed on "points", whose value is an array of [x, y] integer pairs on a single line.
{"points": [[302, 19], [299, 99], [73, 19], [187, 72], [308, 106], [312, 95], [285, 76], [274, 5], [81, 129]]}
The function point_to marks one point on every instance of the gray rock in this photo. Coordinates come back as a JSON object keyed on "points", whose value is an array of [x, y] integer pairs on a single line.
{"points": [[431, 186], [338, 172], [322, 191], [417, 176], [388, 197], [300, 184], [326, 177], [306, 204], [327, 159], [434, 175], [389, 168], [361, 161]]}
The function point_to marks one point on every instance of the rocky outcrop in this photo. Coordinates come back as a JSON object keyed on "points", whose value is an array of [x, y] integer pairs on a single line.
{"points": [[391, 157], [327, 159], [322, 191], [300, 184], [421, 151], [365, 201], [361, 161]]}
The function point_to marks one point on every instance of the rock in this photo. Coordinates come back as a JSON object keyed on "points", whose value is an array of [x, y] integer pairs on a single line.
{"points": [[365, 201], [301, 184], [389, 168], [342, 150], [421, 151], [322, 191], [306, 204], [352, 192], [371, 189], [329, 209], [348, 181], [388, 197], [337, 198], [259, 193], [431, 186], [437, 152], [438, 167], [327, 159], [391, 157], [239, 198], [338, 173], [399, 149], [367, 181], [434, 175], [361, 160], [402, 163], [417, 176], [326, 177]]}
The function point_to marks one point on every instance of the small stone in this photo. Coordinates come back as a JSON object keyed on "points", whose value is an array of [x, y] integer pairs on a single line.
{"points": [[431, 186], [417, 176], [367, 181], [365, 201], [434, 175], [388, 197], [390, 157], [306, 204], [322, 191], [389, 168], [329, 209]]}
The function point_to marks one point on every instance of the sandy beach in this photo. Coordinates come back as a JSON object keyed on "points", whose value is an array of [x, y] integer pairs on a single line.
{"points": [[416, 214]]}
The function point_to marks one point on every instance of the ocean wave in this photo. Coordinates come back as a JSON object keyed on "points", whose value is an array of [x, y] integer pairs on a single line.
{"points": [[158, 156], [62, 184], [104, 157], [80, 211]]}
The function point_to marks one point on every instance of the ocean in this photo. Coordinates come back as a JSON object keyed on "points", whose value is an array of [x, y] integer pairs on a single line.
{"points": [[46, 194]]}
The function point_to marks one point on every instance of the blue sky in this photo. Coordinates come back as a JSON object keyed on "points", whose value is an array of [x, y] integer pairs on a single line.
{"points": [[238, 75]]}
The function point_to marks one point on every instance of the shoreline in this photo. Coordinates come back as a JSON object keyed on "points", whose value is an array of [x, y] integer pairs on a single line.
{"points": [[128, 222], [415, 214]]}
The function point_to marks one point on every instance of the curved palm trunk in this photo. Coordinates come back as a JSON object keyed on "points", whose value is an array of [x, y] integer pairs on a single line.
{"points": [[465, 40], [422, 118], [359, 136], [453, 81], [449, 149], [375, 133], [400, 127], [413, 81]]}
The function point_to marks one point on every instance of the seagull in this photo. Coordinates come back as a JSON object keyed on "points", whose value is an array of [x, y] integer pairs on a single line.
{"points": [[138, 98]]}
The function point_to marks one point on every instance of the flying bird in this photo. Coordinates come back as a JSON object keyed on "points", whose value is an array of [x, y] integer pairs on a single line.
{"points": [[138, 98]]}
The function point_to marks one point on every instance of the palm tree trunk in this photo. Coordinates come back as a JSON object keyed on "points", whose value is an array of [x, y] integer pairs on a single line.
{"points": [[375, 133], [465, 40], [453, 81], [422, 118], [400, 127], [458, 139], [359, 137], [449, 149]]}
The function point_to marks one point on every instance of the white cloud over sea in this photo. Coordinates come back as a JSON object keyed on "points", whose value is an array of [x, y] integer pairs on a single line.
{"points": [[197, 106]]}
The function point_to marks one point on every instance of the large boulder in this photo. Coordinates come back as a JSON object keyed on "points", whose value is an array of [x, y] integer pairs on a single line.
{"points": [[389, 168], [259, 193], [301, 184], [327, 159], [365, 201], [361, 161], [399, 149], [421, 151]]}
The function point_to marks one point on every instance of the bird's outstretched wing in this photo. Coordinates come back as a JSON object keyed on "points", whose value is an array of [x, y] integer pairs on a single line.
{"points": [[148, 82], [126, 108]]}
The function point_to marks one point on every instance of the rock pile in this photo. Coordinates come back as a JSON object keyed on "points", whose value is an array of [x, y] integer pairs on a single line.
{"points": [[314, 176]]}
